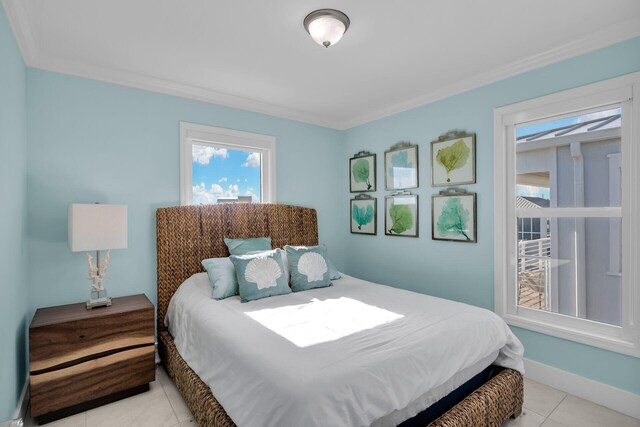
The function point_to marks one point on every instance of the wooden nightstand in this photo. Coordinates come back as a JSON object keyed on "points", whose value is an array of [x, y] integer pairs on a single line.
{"points": [[81, 358]]}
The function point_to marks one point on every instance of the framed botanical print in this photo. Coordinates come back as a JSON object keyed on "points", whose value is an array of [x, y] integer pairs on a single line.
{"points": [[401, 215], [453, 216], [362, 172], [363, 215], [453, 159], [401, 167]]}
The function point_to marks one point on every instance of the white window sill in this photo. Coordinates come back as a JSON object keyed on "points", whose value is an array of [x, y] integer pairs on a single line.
{"points": [[592, 333]]}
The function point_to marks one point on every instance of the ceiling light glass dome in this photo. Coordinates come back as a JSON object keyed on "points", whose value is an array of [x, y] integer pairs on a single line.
{"points": [[326, 26]]}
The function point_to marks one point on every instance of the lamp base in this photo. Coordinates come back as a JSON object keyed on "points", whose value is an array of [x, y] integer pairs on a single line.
{"points": [[98, 299]]}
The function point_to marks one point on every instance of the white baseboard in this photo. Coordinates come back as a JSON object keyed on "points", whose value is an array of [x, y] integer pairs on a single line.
{"points": [[603, 394], [23, 402], [21, 411]]}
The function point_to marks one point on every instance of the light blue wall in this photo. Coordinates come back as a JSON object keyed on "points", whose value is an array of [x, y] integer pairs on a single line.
{"points": [[13, 186], [464, 272], [91, 141]]}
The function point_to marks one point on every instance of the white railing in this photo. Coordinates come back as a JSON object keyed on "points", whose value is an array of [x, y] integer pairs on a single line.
{"points": [[534, 271]]}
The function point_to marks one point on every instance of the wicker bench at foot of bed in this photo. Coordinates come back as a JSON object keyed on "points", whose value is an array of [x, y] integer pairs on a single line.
{"points": [[489, 406]]}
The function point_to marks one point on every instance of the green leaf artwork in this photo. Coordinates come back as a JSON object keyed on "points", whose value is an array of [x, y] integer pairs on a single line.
{"points": [[453, 157], [454, 219], [360, 171], [401, 218], [362, 215]]}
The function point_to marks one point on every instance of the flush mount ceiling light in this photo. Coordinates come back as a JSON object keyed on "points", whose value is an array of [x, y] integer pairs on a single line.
{"points": [[326, 26]]}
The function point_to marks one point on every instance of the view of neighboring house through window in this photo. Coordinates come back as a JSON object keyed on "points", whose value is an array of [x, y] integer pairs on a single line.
{"points": [[570, 264], [222, 174]]}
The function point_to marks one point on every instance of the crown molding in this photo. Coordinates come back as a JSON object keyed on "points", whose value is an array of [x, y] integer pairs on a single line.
{"points": [[597, 40], [168, 87], [17, 14]]}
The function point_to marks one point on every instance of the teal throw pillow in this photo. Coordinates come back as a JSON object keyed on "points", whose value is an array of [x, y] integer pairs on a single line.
{"points": [[222, 277], [260, 275], [308, 267], [334, 274], [244, 246], [285, 263]]}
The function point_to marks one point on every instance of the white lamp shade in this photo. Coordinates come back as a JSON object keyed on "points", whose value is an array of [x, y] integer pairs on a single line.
{"points": [[326, 30], [96, 227]]}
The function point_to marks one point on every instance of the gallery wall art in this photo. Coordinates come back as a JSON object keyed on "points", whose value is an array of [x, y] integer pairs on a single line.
{"points": [[453, 216], [362, 172], [401, 166], [453, 159], [363, 215], [401, 215]]}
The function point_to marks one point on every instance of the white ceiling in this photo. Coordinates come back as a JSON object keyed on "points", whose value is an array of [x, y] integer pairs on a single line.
{"points": [[256, 55]]}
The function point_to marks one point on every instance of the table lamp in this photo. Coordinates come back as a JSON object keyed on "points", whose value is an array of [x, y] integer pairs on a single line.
{"points": [[97, 227]]}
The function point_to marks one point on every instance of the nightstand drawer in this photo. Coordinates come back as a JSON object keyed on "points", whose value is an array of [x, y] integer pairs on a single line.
{"points": [[64, 343], [92, 379]]}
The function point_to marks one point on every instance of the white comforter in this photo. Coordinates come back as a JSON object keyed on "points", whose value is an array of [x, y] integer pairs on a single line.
{"points": [[346, 355]]}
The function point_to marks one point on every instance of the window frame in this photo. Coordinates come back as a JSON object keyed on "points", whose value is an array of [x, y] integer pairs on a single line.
{"points": [[191, 133], [625, 91]]}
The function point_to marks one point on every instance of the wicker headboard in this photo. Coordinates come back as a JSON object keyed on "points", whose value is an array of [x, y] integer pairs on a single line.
{"points": [[186, 235]]}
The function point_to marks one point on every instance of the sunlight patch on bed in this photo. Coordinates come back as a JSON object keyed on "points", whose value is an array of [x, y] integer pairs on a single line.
{"points": [[322, 321]]}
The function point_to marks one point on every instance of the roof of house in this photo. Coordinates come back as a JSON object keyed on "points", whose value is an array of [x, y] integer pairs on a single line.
{"points": [[527, 202], [600, 123]]}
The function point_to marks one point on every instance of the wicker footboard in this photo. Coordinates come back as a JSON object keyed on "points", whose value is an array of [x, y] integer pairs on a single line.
{"points": [[489, 406]]}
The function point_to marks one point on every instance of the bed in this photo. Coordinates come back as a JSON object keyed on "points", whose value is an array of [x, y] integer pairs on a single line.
{"points": [[186, 235]]}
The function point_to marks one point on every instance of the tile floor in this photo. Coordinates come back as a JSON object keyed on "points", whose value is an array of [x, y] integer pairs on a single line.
{"points": [[162, 406], [547, 407]]}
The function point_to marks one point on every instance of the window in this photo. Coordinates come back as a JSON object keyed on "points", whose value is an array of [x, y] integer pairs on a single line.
{"points": [[566, 214], [221, 165]]}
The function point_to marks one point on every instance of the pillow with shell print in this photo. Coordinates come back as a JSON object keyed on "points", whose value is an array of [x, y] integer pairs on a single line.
{"points": [[260, 275], [308, 267]]}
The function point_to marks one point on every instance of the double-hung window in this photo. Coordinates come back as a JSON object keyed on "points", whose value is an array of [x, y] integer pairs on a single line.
{"points": [[222, 165], [567, 222]]}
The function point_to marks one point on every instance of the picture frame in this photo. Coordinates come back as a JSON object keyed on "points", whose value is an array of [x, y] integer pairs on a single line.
{"points": [[454, 216], [401, 167], [363, 215], [401, 215], [362, 172], [453, 159]]}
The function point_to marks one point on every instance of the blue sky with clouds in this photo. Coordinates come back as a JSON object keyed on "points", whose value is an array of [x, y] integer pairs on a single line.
{"points": [[221, 172]]}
